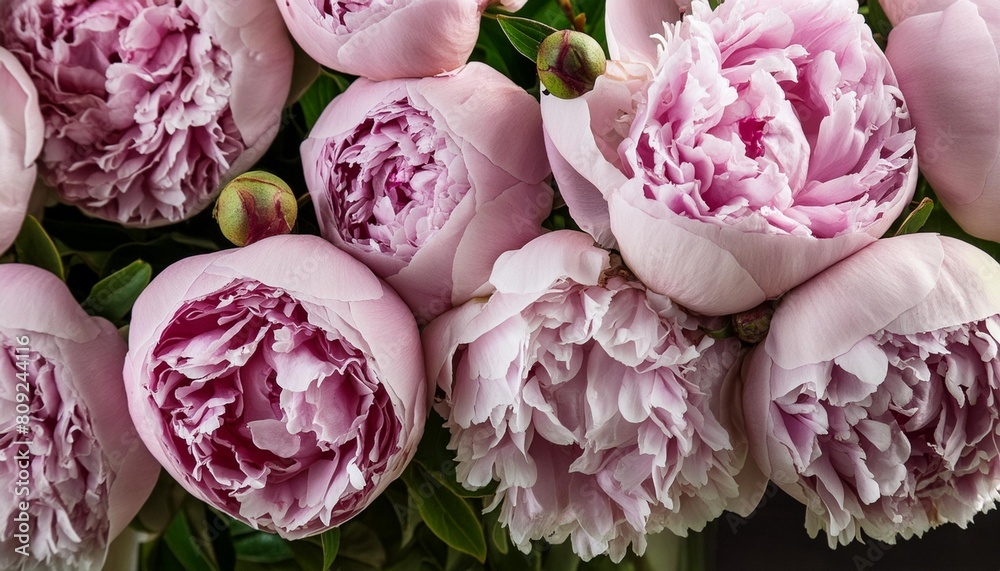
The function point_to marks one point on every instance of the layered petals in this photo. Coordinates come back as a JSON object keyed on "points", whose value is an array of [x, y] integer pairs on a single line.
{"points": [[386, 39], [418, 179], [21, 132], [271, 387], [600, 408], [76, 475], [874, 400], [150, 105], [763, 126]]}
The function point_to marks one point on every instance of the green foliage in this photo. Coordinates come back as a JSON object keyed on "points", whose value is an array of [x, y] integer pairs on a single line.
{"points": [[33, 246], [917, 217], [524, 34], [327, 86], [114, 296], [446, 514]]}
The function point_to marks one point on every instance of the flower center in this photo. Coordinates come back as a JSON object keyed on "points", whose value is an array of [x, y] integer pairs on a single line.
{"points": [[255, 395], [394, 180]]}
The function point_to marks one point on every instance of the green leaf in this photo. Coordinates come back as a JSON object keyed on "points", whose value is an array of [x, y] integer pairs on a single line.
{"points": [[878, 22], [560, 557], [524, 34], [331, 544], [261, 547], [447, 515], [360, 548], [33, 246], [498, 535], [181, 541], [320, 94], [113, 297], [308, 554], [407, 513], [916, 220]]}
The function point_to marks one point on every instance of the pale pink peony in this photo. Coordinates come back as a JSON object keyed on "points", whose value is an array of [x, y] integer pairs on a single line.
{"points": [[286, 391], [738, 152], [388, 39], [428, 181], [150, 105], [945, 53], [83, 473], [875, 399], [600, 407], [21, 132]]}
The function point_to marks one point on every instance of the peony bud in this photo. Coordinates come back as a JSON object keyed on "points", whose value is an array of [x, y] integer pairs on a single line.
{"points": [[254, 206], [569, 63], [752, 325]]}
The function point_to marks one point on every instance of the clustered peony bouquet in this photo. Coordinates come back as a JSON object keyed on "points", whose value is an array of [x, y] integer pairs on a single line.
{"points": [[542, 284]]}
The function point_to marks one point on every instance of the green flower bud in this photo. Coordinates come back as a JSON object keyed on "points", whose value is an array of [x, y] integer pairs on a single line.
{"points": [[569, 63], [254, 206], [752, 325]]}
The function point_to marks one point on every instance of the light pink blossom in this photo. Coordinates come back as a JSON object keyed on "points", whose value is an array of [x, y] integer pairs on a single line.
{"points": [[285, 390], [738, 151], [150, 105], [945, 55], [21, 131], [874, 400], [600, 407], [64, 448], [427, 181], [388, 39]]}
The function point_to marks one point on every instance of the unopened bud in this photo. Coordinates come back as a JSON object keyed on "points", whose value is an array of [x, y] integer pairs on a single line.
{"points": [[569, 63], [751, 326], [254, 206]]}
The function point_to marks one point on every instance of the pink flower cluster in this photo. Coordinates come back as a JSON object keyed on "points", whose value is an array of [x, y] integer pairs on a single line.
{"points": [[755, 153]]}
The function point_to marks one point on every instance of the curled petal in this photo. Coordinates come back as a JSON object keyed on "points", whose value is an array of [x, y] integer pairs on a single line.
{"points": [[883, 421], [271, 388]]}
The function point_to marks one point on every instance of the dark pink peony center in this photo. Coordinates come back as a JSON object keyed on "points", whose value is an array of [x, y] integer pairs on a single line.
{"points": [[262, 403], [393, 181], [135, 97]]}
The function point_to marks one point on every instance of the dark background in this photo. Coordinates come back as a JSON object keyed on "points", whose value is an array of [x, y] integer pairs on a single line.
{"points": [[774, 538]]}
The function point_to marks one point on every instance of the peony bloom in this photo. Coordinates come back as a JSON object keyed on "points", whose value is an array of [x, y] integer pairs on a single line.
{"points": [[600, 407], [428, 181], [286, 391], [73, 474], [150, 105], [875, 399], [21, 131], [739, 152], [954, 106], [388, 39]]}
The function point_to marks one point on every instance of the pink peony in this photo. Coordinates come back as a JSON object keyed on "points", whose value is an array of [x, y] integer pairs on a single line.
{"points": [[73, 474], [875, 399], [285, 391], [21, 132], [600, 407], [388, 39], [954, 105], [150, 105], [738, 153], [428, 181]]}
